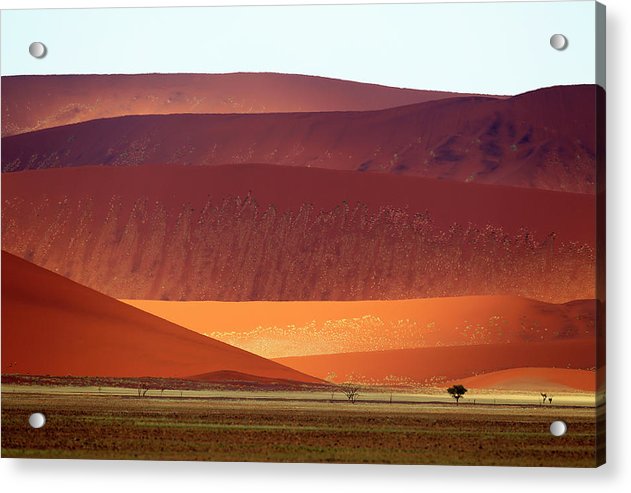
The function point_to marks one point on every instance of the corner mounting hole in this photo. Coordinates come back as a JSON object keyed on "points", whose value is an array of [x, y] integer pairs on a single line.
{"points": [[558, 42], [37, 49], [37, 420], [558, 428]]}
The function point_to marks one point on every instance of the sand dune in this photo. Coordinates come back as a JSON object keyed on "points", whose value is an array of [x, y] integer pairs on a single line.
{"points": [[36, 102], [228, 376], [53, 326], [429, 366], [523, 141], [280, 329], [265, 232], [536, 379]]}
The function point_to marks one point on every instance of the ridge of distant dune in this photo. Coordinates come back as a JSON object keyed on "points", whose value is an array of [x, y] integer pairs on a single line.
{"points": [[54, 326], [34, 102], [538, 379], [544, 139]]}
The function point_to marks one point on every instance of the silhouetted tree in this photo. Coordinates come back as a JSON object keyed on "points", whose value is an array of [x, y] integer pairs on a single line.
{"points": [[351, 391], [457, 391]]}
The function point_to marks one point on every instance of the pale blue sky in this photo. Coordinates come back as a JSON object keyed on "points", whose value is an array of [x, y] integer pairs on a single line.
{"points": [[495, 48]]}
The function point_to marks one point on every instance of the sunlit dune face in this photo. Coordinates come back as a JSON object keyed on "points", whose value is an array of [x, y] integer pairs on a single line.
{"points": [[279, 329]]}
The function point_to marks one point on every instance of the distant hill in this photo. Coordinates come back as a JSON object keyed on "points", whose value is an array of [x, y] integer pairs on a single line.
{"points": [[35, 102], [543, 139]]}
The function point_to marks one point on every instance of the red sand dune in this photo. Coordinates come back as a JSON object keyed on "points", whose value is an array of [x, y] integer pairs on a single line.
{"points": [[540, 379], [440, 364], [543, 139], [276, 329], [264, 232], [34, 102], [53, 326]]}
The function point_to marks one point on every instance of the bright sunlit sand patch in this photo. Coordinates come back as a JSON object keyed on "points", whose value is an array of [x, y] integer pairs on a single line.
{"points": [[280, 329]]}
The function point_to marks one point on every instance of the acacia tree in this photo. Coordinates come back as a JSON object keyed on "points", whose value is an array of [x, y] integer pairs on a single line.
{"points": [[351, 391], [457, 391]]}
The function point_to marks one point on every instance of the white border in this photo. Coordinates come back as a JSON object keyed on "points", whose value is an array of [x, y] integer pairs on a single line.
{"points": [[49, 476]]}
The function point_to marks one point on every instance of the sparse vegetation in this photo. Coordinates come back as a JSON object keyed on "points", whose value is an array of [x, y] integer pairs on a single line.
{"points": [[235, 430]]}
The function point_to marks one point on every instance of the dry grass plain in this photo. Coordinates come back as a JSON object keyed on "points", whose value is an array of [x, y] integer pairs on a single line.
{"points": [[291, 426]]}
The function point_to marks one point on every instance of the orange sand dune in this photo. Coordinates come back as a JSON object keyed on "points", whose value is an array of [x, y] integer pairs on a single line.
{"points": [[524, 141], [279, 329], [33, 102], [541, 379], [53, 326], [436, 365], [266, 232]]}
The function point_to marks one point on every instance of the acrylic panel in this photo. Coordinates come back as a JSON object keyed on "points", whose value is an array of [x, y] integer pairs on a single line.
{"points": [[331, 233]]}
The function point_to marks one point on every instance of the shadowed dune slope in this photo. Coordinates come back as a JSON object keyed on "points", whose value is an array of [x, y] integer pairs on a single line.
{"points": [[264, 232], [435, 365], [286, 188], [536, 379], [544, 139], [34, 102], [53, 326], [279, 329]]}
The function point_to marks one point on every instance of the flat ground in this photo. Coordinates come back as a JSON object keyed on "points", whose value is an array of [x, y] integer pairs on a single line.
{"points": [[286, 426]]}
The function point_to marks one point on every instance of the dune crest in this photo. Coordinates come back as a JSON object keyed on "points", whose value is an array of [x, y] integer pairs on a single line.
{"points": [[55, 100]]}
